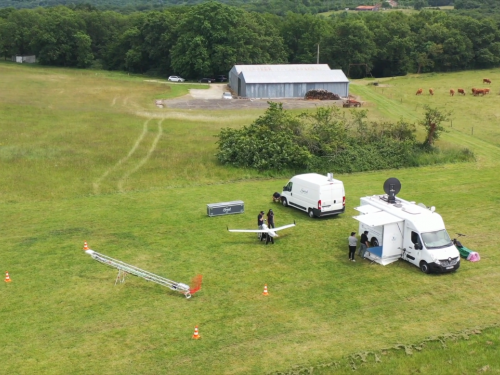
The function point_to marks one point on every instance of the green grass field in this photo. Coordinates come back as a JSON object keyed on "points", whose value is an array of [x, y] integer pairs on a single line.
{"points": [[87, 156]]}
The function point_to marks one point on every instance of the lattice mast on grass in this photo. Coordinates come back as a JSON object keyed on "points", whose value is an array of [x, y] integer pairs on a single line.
{"points": [[124, 269]]}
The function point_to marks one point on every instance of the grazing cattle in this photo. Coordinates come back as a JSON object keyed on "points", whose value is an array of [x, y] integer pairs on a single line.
{"points": [[479, 92], [486, 80], [486, 91], [473, 90], [452, 92], [419, 91], [431, 91], [461, 91]]}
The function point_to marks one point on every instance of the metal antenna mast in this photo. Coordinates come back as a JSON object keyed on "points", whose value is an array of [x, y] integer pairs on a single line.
{"points": [[124, 269]]}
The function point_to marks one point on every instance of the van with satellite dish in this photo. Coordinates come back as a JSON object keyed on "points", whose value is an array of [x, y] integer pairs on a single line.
{"points": [[400, 229], [316, 194]]}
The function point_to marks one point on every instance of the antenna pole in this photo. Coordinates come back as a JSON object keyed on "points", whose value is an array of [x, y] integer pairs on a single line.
{"points": [[124, 269]]}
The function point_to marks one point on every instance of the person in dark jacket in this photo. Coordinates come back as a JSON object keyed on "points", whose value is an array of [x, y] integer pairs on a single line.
{"points": [[364, 244], [260, 221], [270, 219]]}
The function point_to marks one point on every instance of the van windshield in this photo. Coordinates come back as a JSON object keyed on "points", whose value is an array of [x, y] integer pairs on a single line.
{"points": [[436, 240]]}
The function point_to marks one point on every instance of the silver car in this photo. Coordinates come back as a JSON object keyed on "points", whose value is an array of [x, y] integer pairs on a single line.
{"points": [[176, 79]]}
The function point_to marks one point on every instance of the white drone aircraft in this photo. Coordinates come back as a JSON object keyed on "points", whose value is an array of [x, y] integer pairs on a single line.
{"points": [[265, 233]]}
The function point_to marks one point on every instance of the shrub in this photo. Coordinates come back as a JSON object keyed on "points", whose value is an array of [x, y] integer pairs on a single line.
{"points": [[326, 141]]}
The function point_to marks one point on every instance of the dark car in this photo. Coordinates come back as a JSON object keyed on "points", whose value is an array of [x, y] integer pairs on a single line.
{"points": [[221, 78], [207, 80]]}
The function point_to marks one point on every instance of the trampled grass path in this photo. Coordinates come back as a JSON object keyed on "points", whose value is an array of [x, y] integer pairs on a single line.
{"points": [[97, 183], [389, 108], [143, 161]]}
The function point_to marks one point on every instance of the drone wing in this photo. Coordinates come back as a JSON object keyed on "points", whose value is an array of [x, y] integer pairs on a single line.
{"points": [[284, 227], [248, 230]]}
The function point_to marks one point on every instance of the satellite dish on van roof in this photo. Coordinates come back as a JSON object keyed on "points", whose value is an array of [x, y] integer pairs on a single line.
{"points": [[392, 186]]}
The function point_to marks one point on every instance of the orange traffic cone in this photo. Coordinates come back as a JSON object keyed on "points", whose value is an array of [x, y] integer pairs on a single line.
{"points": [[265, 291], [7, 277], [196, 335], [85, 246]]}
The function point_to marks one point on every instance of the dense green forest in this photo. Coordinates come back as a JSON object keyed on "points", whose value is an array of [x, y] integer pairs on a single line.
{"points": [[279, 7], [270, 6], [209, 38]]}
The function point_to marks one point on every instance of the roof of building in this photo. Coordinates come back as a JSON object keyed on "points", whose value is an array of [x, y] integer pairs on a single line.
{"points": [[366, 7], [311, 76], [280, 67], [423, 219], [316, 178]]}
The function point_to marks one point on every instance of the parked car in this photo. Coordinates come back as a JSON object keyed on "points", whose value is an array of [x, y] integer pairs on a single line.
{"points": [[227, 95], [207, 80], [221, 78], [176, 79]]}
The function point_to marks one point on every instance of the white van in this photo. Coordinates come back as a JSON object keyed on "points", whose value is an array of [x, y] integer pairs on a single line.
{"points": [[400, 229], [315, 194]]}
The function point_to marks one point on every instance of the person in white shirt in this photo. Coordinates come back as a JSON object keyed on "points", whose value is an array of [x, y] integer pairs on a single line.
{"points": [[353, 241]]}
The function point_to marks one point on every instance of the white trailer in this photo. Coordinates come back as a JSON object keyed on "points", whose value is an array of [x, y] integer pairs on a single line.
{"points": [[401, 229]]}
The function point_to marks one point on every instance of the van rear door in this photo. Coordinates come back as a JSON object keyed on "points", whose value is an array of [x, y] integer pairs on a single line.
{"points": [[332, 197]]}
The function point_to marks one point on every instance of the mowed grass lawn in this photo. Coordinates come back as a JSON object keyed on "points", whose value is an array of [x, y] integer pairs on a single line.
{"points": [[86, 156]]}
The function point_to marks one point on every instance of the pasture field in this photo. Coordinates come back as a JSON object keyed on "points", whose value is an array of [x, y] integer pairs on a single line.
{"points": [[86, 156]]}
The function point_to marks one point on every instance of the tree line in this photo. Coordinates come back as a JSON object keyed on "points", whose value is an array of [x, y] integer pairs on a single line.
{"points": [[209, 38], [270, 6]]}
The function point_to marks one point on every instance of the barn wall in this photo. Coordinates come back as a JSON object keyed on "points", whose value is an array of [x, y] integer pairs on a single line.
{"points": [[242, 90], [290, 90], [233, 79]]}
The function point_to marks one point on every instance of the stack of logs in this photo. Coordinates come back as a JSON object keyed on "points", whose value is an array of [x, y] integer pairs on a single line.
{"points": [[321, 95]]}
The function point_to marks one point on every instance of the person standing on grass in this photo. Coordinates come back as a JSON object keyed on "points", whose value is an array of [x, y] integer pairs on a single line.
{"points": [[353, 241], [363, 244], [270, 219], [260, 221]]}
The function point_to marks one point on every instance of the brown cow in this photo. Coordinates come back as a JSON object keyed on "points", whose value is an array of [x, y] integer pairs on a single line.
{"points": [[479, 91], [473, 90], [419, 91], [486, 80], [431, 91], [452, 92], [461, 91], [486, 91]]}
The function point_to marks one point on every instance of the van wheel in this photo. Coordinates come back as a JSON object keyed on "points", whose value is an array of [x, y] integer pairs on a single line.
{"points": [[424, 267], [311, 213], [284, 202]]}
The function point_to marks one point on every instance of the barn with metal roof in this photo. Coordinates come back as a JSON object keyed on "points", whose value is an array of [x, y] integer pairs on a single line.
{"points": [[286, 81]]}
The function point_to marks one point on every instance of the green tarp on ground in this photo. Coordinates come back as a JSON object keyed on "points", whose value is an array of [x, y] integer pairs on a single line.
{"points": [[464, 252]]}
